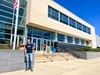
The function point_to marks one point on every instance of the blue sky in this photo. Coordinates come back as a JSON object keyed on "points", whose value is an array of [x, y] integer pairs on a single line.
{"points": [[88, 10]]}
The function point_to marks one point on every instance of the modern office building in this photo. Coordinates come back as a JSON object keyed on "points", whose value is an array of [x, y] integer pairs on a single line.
{"points": [[98, 40], [45, 22]]}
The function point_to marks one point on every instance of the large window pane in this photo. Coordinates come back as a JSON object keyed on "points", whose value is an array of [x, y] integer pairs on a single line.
{"points": [[82, 42], [2, 18], [53, 13], [76, 41], [5, 30], [5, 2], [5, 8], [23, 3], [46, 35], [63, 18], [69, 39], [6, 36], [30, 32], [4, 41], [60, 37], [72, 23], [79, 26], [88, 30], [21, 11], [84, 28], [4, 24], [4, 13]]}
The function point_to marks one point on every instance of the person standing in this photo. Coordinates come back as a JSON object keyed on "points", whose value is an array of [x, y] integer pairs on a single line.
{"points": [[29, 55]]}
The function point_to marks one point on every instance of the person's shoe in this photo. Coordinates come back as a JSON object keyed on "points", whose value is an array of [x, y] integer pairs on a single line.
{"points": [[31, 69], [26, 69]]}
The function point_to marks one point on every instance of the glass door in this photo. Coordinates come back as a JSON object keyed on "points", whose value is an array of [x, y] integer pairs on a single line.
{"points": [[35, 44], [46, 43], [38, 44]]}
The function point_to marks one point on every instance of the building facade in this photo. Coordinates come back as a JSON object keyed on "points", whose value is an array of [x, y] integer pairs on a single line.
{"points": [[45, 22], [98, 40]]}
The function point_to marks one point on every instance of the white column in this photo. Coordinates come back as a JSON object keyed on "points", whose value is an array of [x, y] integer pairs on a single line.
{"points": [[59, 16], [55, 37], [65, 39], [85, 43], [79, 41], [68, 21], [25, 35], [73, 40]]}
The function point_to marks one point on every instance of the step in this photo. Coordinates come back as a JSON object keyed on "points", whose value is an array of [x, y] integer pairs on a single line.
{"points": [[41, 58]]}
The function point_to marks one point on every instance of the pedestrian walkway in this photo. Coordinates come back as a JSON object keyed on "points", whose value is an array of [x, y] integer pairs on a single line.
{"points": [[72, 67]]}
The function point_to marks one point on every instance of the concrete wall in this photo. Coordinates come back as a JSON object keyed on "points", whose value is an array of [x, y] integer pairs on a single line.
{"points": [[11, 60], [37, 16], [88, 55]]}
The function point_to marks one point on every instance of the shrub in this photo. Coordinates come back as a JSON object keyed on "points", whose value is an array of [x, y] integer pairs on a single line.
{"points": [[89, 49], [4, 46]]}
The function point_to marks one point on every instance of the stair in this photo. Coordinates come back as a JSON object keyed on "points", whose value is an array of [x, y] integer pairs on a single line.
{"points": [[53, 57], [41, 58]]}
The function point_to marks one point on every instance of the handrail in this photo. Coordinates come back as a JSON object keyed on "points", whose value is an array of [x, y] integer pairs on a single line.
{"points": [[63, 55], [73, 52], [69, 51]]}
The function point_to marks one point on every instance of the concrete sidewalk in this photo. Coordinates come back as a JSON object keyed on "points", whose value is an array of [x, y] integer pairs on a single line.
{"points": [[71, 67]]}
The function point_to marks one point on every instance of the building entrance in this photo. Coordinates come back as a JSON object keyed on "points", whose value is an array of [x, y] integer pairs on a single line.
{"points": [[40, 43]]}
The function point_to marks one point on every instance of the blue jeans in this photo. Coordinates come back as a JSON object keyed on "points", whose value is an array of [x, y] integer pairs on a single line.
{"points": [[29, 61]]}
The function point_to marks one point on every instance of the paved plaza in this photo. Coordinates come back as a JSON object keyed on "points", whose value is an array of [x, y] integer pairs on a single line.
{"points": [[71, 67]]}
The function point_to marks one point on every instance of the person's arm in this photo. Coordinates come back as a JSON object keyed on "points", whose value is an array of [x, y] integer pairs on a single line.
{"points": [[33, 47]]}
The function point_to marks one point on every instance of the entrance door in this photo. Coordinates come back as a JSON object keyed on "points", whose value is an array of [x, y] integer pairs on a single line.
{"points": [[41, 44], [37, 43], [46, 43]]}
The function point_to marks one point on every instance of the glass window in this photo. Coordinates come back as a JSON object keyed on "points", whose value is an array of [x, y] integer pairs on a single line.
{"points": [[76, 41], [20, 32], [4, 41], [6, 36], [53, 13], [5, 2], [20, 20], [46, 35], [30, 32], [6, 25], [84, 28], [5, 14], [82, 42], [11, 1], [69, 39], [60, 37], [79, 26], [2, 18], [88, 30], [5, 8], [21, 11], [63, 18], [5, 30], [23, 3], [37, 33], [72, 23]]}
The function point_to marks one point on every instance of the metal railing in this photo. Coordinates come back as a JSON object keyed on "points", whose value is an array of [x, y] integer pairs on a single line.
{"points": [[62, 53], [73, 52]]}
